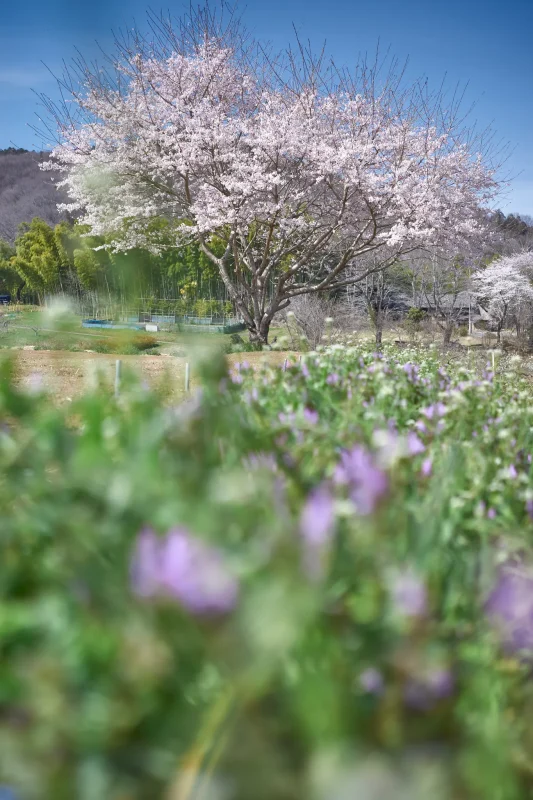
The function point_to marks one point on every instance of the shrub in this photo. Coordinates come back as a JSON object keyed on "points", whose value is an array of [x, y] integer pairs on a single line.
{"points": [[144, 341], [102, 345]]}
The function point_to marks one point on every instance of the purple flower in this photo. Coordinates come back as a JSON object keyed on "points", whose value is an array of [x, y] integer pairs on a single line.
{"points": [[317, 522], [317, 518], [491, 513], [236, 378], [251, 397], [146, 564], [408, 594], [512, 471], [366, 482], [529, 508], [333, 379], [414, 445], [371, 681], [421, 426], [184, 568], [510, 607], [304, 369], [196, 575], [411, 370], [310, 416], [434, 411], [287, 419], [427, 467]]}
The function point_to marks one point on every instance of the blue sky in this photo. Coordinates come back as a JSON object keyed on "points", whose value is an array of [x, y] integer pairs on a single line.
{"points": [[487, 43]]}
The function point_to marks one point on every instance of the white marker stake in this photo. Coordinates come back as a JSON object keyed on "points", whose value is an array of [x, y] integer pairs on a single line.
{"points": [[118, 369], [187, 376]]}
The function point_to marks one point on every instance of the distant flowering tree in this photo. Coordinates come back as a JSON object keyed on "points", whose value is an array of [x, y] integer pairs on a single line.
{"points": [[505, 287], [297, 168]]}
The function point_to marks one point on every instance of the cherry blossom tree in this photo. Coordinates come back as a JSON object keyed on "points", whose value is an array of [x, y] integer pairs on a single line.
{"points": [[505, 287], [298, 167]]}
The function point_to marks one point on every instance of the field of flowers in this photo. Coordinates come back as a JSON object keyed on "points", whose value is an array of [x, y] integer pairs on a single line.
{"points": [[308, 582]]}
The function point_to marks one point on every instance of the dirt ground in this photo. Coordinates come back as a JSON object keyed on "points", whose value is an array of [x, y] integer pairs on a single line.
{"points": [[66, 375]]}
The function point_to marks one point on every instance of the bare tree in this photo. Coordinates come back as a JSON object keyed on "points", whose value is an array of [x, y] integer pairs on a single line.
{"points": [[312, 313], [444, 283], [379, 294]]}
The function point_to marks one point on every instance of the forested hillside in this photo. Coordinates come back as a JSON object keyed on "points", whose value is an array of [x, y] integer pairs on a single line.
{"points": [[25, 191]]}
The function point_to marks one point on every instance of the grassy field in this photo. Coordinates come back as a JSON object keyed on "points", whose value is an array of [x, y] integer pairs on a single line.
{"points": [[66, 361], [40, 331]]}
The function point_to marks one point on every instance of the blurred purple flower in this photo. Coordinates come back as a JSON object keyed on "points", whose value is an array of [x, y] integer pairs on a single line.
{"points": [[371, 681], [317, 517], [411, 370], [491, 513], [251, 397], [434, 411], [185, 568], [421, 426], [366, 482], [512, 471], [311, 416], [196, 575], [287, 419], [408, 594], [317, 523], [333, 379], [414, 445], [427, 467], [529, 508], [510, 607], [236, 378], [304, 368]]}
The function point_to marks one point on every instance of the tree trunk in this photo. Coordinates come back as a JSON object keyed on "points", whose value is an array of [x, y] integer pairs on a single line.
{"points": [[259, 330], [447, 336]]}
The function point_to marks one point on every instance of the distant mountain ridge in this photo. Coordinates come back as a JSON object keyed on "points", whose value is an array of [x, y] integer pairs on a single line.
{"points": [[26, 191]]}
